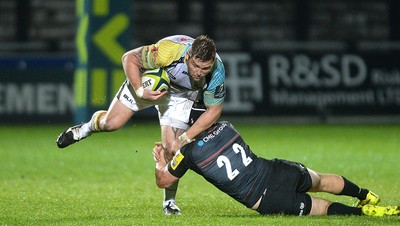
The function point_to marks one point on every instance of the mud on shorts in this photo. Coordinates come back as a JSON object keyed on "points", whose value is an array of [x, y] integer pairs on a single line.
{"points": [[173, 110], [286, 189]]}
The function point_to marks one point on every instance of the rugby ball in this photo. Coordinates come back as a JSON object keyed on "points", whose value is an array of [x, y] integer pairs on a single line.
{"points": [[155, 79]]}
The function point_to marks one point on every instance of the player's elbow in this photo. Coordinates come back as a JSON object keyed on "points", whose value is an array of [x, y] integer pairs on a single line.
{"points": [[159, 184], [126, 58], [164, 180], [162, 183]]}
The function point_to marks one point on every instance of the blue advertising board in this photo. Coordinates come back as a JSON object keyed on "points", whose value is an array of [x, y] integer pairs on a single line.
{"points": [[36, 89]]}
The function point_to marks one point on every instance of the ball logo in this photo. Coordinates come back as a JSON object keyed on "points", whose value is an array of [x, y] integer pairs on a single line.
{"points": [[156, 79], [147, 83]]}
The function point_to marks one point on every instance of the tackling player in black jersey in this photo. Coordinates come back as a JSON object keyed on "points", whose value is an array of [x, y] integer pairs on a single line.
{"points": [[273, 186]]}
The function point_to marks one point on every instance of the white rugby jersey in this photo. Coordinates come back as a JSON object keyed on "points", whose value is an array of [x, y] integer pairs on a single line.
{"points": [[169, 53]]}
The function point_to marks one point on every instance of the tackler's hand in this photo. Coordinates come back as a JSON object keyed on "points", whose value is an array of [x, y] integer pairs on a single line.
{"points": [[176, 145], [158, 152]]}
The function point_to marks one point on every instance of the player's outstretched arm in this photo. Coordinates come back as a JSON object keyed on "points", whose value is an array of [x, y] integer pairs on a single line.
{"points": [[164, 178]]}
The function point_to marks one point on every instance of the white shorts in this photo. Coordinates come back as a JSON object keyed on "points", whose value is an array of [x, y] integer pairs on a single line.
{"points": [[173, 109]]}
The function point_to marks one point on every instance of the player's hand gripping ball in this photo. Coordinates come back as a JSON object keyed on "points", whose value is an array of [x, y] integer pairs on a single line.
{"points": [[156, 79]]}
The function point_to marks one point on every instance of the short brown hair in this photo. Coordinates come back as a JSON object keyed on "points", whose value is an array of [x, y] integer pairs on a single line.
{"points": [[203, 48]]}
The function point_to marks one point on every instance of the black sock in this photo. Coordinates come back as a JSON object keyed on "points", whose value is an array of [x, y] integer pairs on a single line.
{"points": [[336, 208], [350, 189]]}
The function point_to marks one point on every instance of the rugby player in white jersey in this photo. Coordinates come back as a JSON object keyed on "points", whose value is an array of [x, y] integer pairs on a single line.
{"points": [[196, 73]]}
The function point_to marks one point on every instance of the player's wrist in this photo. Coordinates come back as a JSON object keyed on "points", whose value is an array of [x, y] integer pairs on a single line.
{"points": [[159, 166], [184, 139], [139, 92]]}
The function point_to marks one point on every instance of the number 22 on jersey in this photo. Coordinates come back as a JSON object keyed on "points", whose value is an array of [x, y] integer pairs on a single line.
{"points": [[222, 160]]}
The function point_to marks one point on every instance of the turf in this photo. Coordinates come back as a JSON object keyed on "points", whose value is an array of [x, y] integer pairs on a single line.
{"points": [[108, 179]]}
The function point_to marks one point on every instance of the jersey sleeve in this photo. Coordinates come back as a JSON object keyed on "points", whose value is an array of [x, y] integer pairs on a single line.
{"points": [[161, 54], [215, 92], [177, 166]]}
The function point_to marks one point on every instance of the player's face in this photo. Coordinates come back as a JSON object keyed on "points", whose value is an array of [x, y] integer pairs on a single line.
{"points": [[198, 69]]}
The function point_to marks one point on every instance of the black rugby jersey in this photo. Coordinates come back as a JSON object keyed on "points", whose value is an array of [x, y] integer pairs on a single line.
{"points": [[221, 156]]}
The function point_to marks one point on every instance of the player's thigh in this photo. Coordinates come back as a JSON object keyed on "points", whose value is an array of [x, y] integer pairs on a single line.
{"points": [[169, 134], [319, 206], [117, 115], [315, 179]]}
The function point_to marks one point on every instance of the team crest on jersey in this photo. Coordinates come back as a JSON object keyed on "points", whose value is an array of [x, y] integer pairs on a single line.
{"points": [[219, 91], [176, 160]]}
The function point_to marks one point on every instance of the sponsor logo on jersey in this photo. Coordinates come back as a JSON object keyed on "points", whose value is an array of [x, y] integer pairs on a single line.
{"points": [[214, 133], [219, 91], [176, 160], [200, 143]]}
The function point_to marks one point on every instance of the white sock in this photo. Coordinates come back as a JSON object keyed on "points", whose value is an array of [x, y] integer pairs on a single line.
{"points": [[92, 123], [85, 131]]}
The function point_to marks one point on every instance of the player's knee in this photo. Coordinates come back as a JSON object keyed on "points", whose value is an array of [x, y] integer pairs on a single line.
{"points": [[325, 182], [108, 125]]}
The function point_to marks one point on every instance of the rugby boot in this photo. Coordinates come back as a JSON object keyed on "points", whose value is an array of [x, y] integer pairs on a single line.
{"points": [[171, 208], [71, 136], [380, 211], [371, 198]]}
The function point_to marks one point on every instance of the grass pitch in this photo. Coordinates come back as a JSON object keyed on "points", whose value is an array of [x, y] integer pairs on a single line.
{"points": [[108, 179]]}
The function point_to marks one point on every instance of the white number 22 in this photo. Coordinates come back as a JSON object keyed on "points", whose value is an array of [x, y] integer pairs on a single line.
{"points": [[223, 160]]}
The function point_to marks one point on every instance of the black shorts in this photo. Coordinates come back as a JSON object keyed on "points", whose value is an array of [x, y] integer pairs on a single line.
{"points": [[286, 189]]}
